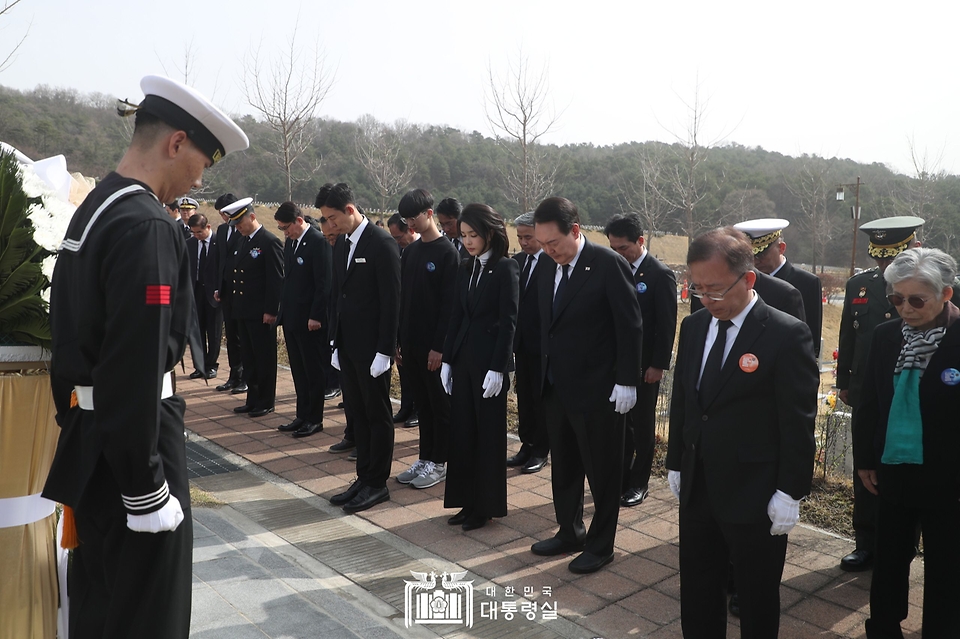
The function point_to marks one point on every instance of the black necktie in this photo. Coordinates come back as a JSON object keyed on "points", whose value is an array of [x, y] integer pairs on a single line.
{"points": [[201, 260], [711, 370], [475, 278], [525, 274], [560, 287]]}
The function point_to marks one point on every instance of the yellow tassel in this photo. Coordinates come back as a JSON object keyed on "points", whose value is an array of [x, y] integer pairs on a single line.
{"points": [[70, 539]]}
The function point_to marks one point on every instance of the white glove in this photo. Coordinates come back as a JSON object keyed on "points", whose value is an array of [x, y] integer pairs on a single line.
{"points": [[673, 478], [380, 365], [492, 384], [335, 359], [446, 377], [167, 518], [625, 398], [784, 512]]}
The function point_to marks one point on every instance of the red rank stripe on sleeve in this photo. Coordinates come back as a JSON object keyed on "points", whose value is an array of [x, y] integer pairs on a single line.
{"points": [[860, 300], [158, 295]]}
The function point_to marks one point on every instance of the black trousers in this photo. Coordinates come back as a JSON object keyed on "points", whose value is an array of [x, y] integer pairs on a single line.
{"points": [[531, 418], [585, 445], [407, 400], [130, 584], [231, 329], [641, 437], [707, 547], [258, 343], [366, 401], [306, 350], [864, 515], [477, 470], [211, 327], [896, 541], [432, 402]]}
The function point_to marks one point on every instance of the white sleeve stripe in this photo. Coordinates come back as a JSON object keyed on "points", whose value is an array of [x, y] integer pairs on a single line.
{"points": [[147, 502]]}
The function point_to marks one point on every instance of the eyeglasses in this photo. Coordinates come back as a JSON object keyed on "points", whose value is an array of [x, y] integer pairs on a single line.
{"points": [[716, 297], [914, 300], [407, 218], [284, 227]]}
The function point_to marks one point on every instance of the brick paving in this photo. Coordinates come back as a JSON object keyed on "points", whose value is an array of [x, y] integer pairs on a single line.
{"points": [[635, 596]]}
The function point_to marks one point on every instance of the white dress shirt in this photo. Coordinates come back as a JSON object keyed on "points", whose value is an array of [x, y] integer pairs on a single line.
{"points": [[355, 237], [732, 333]]}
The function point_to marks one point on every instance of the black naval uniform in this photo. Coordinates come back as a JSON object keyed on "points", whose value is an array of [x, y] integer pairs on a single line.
{"points": [[811, 290], [120, 313], [226, 251], [257, 284]]}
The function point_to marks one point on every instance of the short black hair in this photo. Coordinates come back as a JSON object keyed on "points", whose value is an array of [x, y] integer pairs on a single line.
{"points": [[727, 242], [559, 210], [398, 221], [173, 206], [322, 194], [287, 212], [489, 225], [450, 207], [339, 196], [224, 200], [198, 219], [414, 202], [628, 226]]}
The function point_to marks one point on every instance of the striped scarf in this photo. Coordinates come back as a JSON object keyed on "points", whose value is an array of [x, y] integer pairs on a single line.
{"points": [[918, 347]]}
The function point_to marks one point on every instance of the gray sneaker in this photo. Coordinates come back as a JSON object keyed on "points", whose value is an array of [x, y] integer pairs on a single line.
{"points": [[431, 475], [411, 473]]}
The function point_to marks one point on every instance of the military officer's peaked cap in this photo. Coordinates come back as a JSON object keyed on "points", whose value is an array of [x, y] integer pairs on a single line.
{"points": [[185, 109], [187, 203], [236, 210], [763, 232], [891, 236]]}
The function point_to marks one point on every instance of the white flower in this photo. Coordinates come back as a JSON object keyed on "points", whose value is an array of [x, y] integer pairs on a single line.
{"points": [[50, 220]]}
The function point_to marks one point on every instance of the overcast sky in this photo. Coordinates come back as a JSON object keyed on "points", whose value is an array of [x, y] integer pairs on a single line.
{"points": [[833, 78]]}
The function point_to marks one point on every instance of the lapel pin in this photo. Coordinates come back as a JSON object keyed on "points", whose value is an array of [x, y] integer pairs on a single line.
{"points": [[749, 363]]}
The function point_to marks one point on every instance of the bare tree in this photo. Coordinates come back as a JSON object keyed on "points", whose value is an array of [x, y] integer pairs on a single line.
{"points": [[7, 6], [639, 194], [918, 196], [814, 192], [380, 151], [517, 110], [288, 93], [745, 204]]}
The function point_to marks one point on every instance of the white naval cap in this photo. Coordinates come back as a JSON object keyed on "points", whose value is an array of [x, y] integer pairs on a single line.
{"points": [[236, 210], [762, 232], [185, 109], [187, 203]]}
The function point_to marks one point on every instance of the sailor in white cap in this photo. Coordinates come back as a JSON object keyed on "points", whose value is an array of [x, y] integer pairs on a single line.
{"points": [[766, 236], [121, 308]]}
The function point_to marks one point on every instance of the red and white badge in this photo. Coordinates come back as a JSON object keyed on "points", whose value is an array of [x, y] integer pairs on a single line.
{"points": [[749, 362]]}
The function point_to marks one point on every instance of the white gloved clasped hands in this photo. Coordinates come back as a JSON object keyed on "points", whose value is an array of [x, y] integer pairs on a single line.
{"points": [[492, 384], [335, 359], [380, 365], [624, 398], [673, 478], [446, 378], [167, 518], [784, 513]]}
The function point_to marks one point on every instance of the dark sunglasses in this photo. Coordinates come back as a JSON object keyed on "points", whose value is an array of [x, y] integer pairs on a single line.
{"points": [[914, 300]]}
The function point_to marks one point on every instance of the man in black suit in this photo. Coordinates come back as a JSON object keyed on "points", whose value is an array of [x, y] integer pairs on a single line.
{"points": [[228, 239], [363, 331], [307, 277], [405, 235], [448, 214], [257, 283], [656, 287], [766, 237], [741, 447], [202, 249], [590, 339], [532, 423]]}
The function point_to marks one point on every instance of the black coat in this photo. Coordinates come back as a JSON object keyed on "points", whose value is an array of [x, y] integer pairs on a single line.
{"points": [[225, 254], [307, 280], [755, 435], [257, 276], [656, 287], [527, 337], [811, 291], [775, 292], [211, 267]]}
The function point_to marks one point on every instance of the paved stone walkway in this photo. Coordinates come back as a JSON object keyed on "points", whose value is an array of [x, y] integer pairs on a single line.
{"points": [[323, 564]]}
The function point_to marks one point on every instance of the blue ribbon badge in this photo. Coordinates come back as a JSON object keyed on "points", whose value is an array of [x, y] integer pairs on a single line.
{"points": [[950, 377], [300, 261], [641, 287], [431, 267]]}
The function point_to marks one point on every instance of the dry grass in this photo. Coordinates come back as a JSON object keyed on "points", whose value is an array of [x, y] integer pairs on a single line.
{"points": [[203, 499]]}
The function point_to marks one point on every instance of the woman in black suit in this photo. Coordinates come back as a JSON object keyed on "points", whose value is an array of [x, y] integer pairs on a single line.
{"points": [[907, 444], [477, 356]]}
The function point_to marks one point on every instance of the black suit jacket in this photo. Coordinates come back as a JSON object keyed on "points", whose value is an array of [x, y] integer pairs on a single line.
{"points": [[527, 338], [257, 276], [211, 267], [775, 292], [938, 409], [755, 435], [594, 341], [225, 253], [657, 293], [366, 296], [811, 291], [307, 278]]}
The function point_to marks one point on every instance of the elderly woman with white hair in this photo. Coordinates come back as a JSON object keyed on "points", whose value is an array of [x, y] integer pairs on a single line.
{"points": [[907, 444]]}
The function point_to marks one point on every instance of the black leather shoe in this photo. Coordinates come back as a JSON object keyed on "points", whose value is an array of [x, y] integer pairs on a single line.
{"points": [[588, 562], [520, 458], [475, 521], [243, 409], [534, 465], [331, 393], [239, 388], [340, 405], [342, 498], [857, 561], [291, 427], [555, 546], [459, 518], [260, 412], [368, 497], [634, 496], [734, 606], [342, 446], [413, 421], [212, 373], [402, 415], [196, 375], [308, 429], [230, 384]]}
